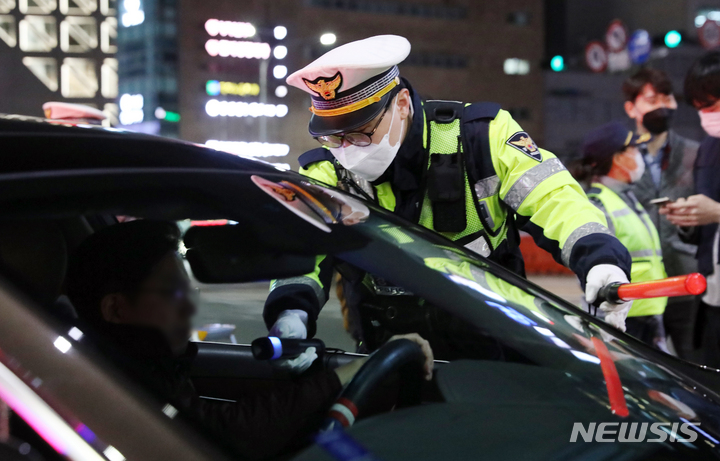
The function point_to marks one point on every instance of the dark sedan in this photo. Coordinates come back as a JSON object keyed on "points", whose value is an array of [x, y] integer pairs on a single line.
{"points": [[538, 378]]}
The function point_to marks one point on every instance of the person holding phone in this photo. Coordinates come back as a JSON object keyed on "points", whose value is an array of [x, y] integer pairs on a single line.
{"points": [[669, 158], [612, 162], [698, 215]]}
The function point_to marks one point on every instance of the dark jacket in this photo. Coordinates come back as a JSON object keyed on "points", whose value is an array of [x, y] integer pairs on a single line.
{"points": [[257, 426], [676, 180], [707, 169]]}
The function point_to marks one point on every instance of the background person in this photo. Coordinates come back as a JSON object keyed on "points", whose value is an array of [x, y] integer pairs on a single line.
{"points": [[612, 161], [701, 212], [669, 159]]}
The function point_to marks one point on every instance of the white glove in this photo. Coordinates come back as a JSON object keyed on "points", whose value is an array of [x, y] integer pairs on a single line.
{"points": [[292, 324], [598, 277]]}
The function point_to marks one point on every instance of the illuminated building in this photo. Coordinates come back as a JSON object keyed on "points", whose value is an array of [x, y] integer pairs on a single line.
{"points": [[148, 71], [440, 65], [58, 50]]}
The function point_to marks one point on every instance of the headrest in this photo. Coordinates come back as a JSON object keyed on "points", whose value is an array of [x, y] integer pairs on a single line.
{"points": [[33, 255]]}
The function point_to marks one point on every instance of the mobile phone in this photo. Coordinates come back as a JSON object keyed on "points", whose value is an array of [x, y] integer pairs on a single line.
{"points": [[661, 201]]}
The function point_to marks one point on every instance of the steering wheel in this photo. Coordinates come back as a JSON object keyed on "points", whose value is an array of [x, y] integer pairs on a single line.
{"points": [[395, 355]]}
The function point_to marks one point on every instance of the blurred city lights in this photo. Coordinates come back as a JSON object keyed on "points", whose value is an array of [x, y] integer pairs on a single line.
{"points": [[215, 88], [281, 91], [170, 411], [168, 116], [131, 109], [215, 108], [229, 28], [237, 49], [75, 333], [557, 63], [328, 39], [515, 66], [280, 52], [113, 454], [280, 32], [212, 87], [250, 149], [672, 39], [62, 344], [279, 71], [134, 13]]}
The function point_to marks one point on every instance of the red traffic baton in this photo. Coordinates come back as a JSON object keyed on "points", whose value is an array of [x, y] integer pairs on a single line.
{"points": [[682, 285]]}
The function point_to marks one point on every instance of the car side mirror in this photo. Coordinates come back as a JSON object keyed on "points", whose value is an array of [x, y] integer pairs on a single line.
{"points": [[233, 254]]}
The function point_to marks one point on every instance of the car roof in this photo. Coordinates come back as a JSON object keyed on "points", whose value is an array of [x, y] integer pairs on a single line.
{"points": [[32, 144]]}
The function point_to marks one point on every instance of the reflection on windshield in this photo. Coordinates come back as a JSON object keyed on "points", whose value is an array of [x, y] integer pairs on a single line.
{"points": [[515, 321], [317, 205]]}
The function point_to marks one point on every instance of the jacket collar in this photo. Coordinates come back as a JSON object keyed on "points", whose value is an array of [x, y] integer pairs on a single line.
{"points": [[407, 168], [613, 184]]}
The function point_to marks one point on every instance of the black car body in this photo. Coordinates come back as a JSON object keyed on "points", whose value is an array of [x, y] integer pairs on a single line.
{"points": [[560, 367]]}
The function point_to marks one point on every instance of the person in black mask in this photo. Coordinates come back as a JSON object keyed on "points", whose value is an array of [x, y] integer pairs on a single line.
{"points": [[669, 159]]}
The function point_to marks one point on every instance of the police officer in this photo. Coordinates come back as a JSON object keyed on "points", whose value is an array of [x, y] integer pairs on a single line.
{"points": [[467, 171], [612, 160]]}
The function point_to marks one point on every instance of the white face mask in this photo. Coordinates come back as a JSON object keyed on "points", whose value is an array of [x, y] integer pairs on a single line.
{"points": [[710, 122], [370, 162], [637, 173]]}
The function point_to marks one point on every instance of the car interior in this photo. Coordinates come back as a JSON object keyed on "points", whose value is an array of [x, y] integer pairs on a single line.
{"points": [[34, 254]]}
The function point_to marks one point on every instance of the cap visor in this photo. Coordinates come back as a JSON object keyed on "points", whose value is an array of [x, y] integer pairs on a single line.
{"points": [[321, 126]]}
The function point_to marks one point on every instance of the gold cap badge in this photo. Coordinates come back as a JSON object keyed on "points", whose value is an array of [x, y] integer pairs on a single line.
{"points": [[324, 88]]}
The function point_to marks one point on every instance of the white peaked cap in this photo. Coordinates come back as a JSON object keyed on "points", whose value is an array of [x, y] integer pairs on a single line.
{"points": [[351, 84], [356, 61]]}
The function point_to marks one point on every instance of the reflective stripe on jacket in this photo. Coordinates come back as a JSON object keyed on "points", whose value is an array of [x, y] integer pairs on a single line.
{"points": [[518, 186], [634, 228]]}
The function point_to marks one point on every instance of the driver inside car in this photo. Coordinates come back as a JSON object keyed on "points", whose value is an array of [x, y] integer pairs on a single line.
{"points": [[131, 291]]}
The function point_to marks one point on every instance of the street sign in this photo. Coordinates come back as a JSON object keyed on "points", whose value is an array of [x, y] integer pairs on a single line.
{"points": [[596, 56], [639, 46], [619, 62], [616, 36], [709, 34]]}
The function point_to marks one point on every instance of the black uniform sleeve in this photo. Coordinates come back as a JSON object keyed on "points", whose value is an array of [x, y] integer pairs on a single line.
{"points": [[303, 293]]}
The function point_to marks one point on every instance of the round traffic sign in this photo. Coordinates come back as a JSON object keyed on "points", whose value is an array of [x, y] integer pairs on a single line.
{"points": [[639, 46], [709, 34], [616, 36], [596, 56]]}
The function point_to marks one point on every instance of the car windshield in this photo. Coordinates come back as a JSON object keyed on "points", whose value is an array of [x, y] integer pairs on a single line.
{"points": [[470, 308], [505, 318], [502, 336]]}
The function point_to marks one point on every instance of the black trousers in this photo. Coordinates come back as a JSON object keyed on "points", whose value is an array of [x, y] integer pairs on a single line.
{"points": [[709, 329], [679, 320], [648, 329]]}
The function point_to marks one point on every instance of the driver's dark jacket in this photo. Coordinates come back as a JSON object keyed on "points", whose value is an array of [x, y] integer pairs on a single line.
{"points": [[256, 426]]}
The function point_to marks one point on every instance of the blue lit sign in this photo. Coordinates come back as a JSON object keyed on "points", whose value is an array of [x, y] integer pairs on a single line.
{"points": [[212, 87]]}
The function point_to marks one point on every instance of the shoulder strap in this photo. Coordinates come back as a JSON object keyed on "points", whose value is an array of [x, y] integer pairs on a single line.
{"points": [[475, 132], [315, 155], [481, 110]]}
